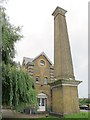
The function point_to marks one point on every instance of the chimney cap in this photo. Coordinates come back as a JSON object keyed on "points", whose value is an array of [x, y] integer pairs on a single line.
{"points": [[59, 10]]}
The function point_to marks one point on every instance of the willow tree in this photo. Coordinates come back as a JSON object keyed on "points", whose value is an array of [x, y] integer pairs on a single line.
{"points": [[17, 86]]}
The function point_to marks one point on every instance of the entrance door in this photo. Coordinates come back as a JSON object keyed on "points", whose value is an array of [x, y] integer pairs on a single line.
{"points": [[42, 102]]}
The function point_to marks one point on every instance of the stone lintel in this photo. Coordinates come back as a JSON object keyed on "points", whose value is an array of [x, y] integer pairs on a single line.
{"points": [[65, 82], [59, 10]]}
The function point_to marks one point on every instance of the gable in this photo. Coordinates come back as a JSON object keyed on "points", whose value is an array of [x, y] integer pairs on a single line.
{"points": [[43, 56]]}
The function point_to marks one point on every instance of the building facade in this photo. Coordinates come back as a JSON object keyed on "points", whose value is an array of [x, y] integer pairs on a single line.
{"points": [[57, 89], [42, 71]]}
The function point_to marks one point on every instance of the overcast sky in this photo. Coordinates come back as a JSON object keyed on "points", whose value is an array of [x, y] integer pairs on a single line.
{"points": [[38, 30]]}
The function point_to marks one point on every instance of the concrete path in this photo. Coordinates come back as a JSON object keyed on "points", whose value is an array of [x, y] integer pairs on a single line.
{"points": [[7, 113]]}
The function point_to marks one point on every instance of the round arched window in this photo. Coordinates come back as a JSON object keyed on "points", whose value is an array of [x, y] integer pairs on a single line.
{"points": [[42, 62]]}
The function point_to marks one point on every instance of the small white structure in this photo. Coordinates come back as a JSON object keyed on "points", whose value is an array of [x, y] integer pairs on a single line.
{"points": [[42, 101]]}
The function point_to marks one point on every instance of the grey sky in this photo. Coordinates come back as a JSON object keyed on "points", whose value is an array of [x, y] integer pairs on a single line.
{"points": [[38, 30]]}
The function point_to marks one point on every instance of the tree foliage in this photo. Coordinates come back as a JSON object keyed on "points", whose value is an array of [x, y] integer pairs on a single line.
{"points": [[17, 85], [18, 88], [10, 35], [84, 101]]}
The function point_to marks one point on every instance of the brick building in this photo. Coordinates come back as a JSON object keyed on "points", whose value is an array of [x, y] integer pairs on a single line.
{"points": [[42, 71], [57, 89]]}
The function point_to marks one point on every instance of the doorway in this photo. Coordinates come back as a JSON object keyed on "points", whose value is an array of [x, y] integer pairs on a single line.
{"points": [[42, 102]]}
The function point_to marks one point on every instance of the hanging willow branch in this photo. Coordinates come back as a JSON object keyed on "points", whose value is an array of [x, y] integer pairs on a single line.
{"points": [[18, 88]]}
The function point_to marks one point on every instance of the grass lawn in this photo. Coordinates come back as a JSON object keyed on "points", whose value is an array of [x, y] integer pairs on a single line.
{"points": [[78, 115]]}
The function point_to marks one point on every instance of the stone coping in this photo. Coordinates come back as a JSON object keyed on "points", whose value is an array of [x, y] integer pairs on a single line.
{"points": [[65, 82], [59, 10]]}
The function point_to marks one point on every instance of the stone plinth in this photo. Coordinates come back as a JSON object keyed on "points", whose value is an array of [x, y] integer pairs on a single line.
{"points": [[64, 97]]}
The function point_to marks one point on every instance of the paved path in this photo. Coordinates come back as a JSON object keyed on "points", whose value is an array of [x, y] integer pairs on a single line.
{"points": [[6, 113]]}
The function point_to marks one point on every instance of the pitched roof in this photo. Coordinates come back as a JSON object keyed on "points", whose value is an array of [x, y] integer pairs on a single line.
{"points": [[42, 53], [30, 60], [26, 60]]}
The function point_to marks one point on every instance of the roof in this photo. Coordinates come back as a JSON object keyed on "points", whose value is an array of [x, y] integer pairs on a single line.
{"points": [[30, 60], [42, 53], [26, 60]]}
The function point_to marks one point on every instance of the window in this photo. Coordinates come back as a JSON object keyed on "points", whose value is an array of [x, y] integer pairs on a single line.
{"points": [[38, 99], [42, 63], [43, 102], [37, 78], [45, 80]]}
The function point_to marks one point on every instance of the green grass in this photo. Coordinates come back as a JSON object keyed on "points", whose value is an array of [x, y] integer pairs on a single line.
{"points": [[78, 115]]}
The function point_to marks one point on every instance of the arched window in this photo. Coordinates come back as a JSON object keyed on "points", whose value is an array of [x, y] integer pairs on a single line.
{"points": [[45, 80], [37, 79]]}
